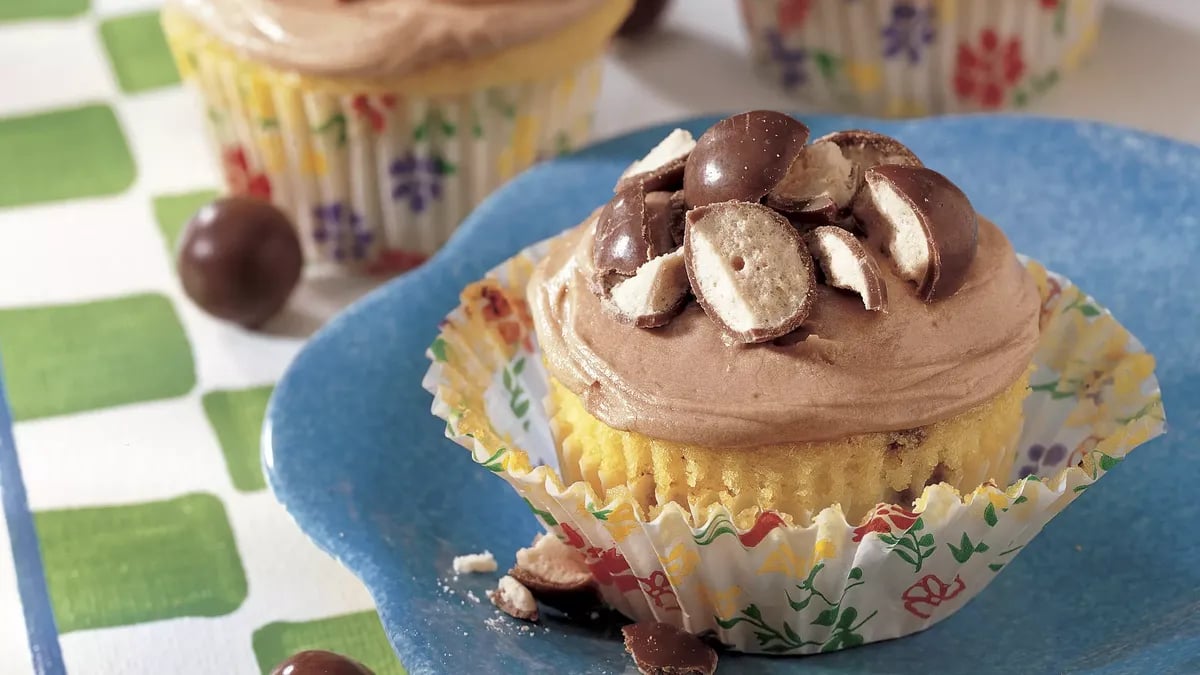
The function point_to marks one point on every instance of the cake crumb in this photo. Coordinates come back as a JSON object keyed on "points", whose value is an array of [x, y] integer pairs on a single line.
{"points": [[472, 597], [1078, 547], [474, 563]]}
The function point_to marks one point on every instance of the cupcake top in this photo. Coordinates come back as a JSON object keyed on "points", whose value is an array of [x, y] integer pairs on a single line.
{"points": [[749, 288], [376, 38]]}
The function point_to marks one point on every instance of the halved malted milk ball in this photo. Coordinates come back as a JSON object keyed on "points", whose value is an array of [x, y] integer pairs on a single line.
{"points": [[847, 264], [749, 270], [924, 223]]}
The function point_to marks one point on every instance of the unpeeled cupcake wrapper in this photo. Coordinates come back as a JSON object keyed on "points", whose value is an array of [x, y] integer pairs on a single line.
{"points": [[909, 58], [375, 178], [758, 582]]}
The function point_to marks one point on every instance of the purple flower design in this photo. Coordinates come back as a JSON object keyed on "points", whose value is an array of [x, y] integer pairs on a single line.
{"points": [[791, 60], [909, 32], [341, 226], [417, 180], [1041, 457]]}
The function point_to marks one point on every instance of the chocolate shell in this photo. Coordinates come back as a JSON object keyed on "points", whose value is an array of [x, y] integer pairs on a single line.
{"points": [[924, 223], [632, 229], [847, 264], [742, 157], [662, 649]]}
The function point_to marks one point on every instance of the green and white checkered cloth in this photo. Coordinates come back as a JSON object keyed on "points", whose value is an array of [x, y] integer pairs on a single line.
{"points": [[136, 417]]}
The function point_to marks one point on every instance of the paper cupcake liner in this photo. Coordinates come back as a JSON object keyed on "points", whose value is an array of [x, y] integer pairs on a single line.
{"points": [[377, 180], [908, 58], [761, 583]]}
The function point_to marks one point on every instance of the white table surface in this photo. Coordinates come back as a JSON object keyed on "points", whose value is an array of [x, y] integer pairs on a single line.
{"points": [[1145, 72]]}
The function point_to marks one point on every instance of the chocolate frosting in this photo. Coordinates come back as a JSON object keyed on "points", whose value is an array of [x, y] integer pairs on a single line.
{"points": [[846, 371], [372, 38]]}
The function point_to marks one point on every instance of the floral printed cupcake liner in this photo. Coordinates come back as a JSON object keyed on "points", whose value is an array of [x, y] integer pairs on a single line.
{"points": [[760, 582], [907, 58], [379, 180]]}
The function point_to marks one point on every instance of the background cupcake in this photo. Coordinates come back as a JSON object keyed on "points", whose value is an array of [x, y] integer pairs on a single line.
{"points": [[379, 124], [906, 58]]}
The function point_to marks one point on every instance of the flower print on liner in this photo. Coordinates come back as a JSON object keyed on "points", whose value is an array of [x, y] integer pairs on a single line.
{"points": [[242, 180], [418, 180], [793, 14], [1043, 461], [986, 72], [374, 109], [885, 519], [921, 598], [791, 60], [339, 226], [910, 31]]}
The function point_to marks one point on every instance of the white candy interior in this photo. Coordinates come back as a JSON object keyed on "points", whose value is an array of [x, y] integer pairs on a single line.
{"points": [[841, 265], [657, 286], [677, 145], [905, 242], [821, 170], [746, 276], [516, 595]]}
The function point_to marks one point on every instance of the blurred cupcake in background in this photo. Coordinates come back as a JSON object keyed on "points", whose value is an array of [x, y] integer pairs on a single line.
{"points": [[909, 58], [379, 124]]}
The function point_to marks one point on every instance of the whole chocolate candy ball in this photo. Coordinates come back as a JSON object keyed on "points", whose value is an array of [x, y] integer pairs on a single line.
{"points": [[240, 259], [316, 662], [643, 18]]}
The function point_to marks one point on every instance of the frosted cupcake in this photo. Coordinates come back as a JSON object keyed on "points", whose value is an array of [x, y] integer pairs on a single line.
{"points": [[905, 58], [784, 382], [858, 336], [379, 124]]}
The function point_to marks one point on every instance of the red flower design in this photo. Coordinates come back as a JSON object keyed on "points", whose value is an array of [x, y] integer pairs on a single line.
{"points": [[792, 14], [1051, 4], [373, 110], [767, 521], [609, 567], [574, 539], [930, 592], [508, 315], [658, 587], [239, 177], [884, 519], [986, 73]]}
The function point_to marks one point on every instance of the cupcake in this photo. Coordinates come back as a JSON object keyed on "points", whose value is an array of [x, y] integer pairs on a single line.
{"points": [[857, 332], [378, 124], [907, 58], [784, 384]]}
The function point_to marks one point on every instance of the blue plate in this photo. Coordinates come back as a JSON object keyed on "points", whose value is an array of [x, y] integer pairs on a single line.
{"points": [[1111, 586]]}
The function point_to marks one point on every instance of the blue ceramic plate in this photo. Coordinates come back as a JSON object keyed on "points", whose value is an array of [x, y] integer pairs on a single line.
{"points": [[1111, 586]]}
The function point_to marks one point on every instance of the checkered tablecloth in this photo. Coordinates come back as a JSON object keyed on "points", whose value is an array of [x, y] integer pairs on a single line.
{"points": [[143, 539]]}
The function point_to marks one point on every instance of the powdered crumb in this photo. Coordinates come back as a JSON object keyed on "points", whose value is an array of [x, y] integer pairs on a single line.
{"points": [[1078, 547], [474, 563], [472, 597]]}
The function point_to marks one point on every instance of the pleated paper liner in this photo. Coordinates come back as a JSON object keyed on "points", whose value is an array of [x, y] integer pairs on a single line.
{"points": [[377, 180], [908, 58], [760, 582]]}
